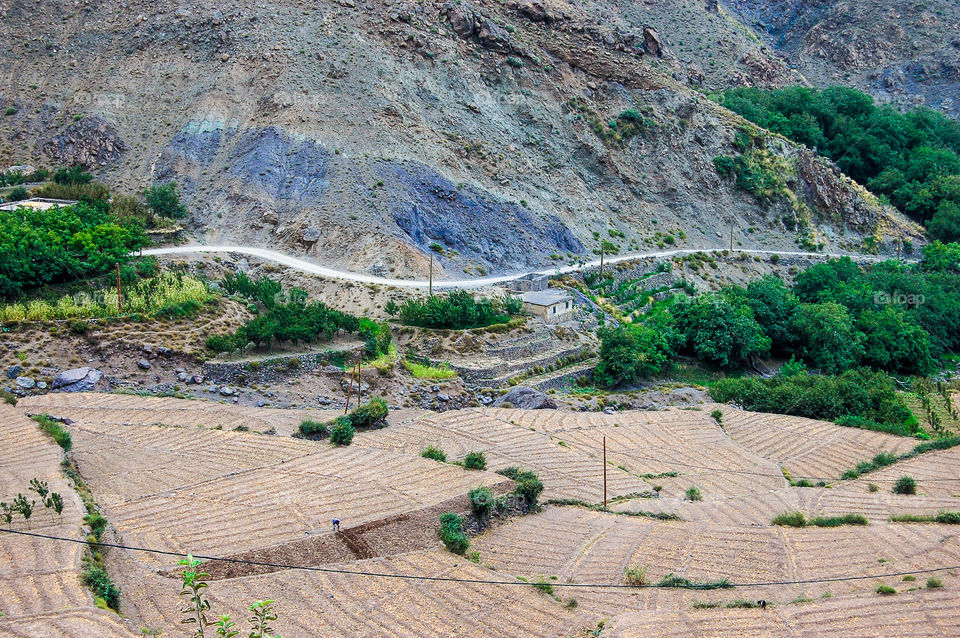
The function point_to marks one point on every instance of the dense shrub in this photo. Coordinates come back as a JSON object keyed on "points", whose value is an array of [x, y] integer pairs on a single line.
{"points": [[100, 583], [56, 431], [164, 200], [289, 317], [435, 453], [529, 485], [451, 533], [458, 310], [790, 519], [370, 415], [837, 521], [629, 353], [475, 461], [851, 421], [342, 431], [861, 393], [313, 430], [481, 500], [905, 485], [693, 493]]}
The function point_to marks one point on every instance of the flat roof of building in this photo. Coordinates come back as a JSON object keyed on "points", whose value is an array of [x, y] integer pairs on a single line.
{"points": [[545, 297]]}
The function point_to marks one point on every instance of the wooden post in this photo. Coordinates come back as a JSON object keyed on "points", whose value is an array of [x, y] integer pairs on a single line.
{"points": [[431, 273], [731, 236], [119, 297], [353, 368], [604, 470], [601, 259]]}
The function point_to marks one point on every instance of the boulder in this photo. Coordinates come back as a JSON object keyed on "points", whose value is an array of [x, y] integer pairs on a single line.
{"points": [[26, 383], [311, 236], [461, 18], [83, 379], [143, 364], [534, 10], [652, 42], [14, 371], [494, 37], [527, 399]]}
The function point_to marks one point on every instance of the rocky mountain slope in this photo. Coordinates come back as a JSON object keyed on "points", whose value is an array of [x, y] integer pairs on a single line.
{"points": [[903, 51], [371, 135]]}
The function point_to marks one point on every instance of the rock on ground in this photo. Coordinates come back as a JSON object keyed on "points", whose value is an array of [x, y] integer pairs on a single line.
{"points": [[527, 399]]}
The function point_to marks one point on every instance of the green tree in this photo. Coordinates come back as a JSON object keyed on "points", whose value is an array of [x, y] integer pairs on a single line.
{"points": [[893, 341], [164, 201], [628, 353], [945, 224], [720, 331], [828, 339]]}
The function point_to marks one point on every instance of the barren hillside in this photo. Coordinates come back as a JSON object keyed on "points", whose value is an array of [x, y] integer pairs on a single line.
{"points": [[502, 135]]}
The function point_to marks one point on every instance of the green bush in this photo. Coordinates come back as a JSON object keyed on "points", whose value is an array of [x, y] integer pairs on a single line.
{"points": [[100, 583], [693, 493], [451, 533], [458, 310], [905, 485], [475, 461], [342, 431], [679, 582], [481, 500], [528, 484], [164, 201], [837, 521], [934, 583], [886, 590], [948, 518], [369, 415], [791, 519], [851, 421], [717, 416], [56, 431], [862, 393], [636, 576], [313, 430], [434, 452]]}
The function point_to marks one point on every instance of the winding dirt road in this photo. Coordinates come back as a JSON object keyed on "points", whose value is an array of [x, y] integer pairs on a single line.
{"points": [[331, 273]]}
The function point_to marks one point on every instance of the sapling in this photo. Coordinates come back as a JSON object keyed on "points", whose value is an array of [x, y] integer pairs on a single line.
{"points": [[225, 628], [40, 487], [22, 505], [55, 502], [193, 586], [262, 615]]}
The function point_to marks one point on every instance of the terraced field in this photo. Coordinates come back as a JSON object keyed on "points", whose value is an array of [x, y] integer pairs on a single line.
{"points": [[315, 604], [174, 475], [40, 589], [125, 409]]}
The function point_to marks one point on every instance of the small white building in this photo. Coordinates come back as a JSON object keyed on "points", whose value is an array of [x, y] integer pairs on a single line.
{"points": [[551, 305]]}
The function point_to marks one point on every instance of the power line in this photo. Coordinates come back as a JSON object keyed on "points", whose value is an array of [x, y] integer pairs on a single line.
{"points": [[467, 581], [728, 471]]}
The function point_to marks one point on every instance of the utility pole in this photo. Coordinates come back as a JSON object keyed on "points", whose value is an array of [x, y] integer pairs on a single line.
{"points": [[601, 259], [119, 298], [604, 470], [431, 273], [731, 235], [354, 371]]}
